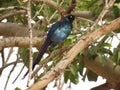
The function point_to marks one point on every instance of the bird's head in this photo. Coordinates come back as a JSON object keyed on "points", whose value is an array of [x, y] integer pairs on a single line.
{"points": [[70, 18]]}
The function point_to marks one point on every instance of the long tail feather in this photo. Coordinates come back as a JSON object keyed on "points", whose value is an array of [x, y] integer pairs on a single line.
{"points": [[40, 54]]}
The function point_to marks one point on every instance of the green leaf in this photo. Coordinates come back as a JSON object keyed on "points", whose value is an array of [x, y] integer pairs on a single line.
{"points": [[117, 31], [37, 77], [81, 67], [102, 58], [117, 1], [74, 79], [116, 11], [92, 76], [17, 88], [24, 55], [106, 45], [92, 53], [104, 39], [116, 55], [67, 42], [66, 76], [119, 55], [104, 51], [74, 69], [35, 55]]}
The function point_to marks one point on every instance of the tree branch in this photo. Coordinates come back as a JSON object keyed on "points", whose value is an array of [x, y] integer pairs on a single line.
{"points": [[30, 41], [58, 7], [20, 42], [12, 8], [73, 52], [12, 14], [52, 4], [71, 7], [107, 71], [13, 29], [106, 8]]}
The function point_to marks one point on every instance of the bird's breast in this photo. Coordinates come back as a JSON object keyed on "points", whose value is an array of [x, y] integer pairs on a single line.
{"points": [[61, 33]]}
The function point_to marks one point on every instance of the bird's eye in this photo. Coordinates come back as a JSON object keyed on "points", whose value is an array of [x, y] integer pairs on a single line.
{"points": [[71, 16]]}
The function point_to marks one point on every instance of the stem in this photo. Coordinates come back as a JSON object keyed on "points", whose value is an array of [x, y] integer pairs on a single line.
{"points": [[30, 41]]}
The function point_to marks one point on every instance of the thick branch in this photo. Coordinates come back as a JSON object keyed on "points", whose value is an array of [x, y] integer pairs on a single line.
{"points": [[20, 42], [107, 71], [73, 52], [13, 29]]}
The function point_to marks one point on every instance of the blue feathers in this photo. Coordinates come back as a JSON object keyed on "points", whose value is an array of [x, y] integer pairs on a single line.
{"points": [[57, 33]]}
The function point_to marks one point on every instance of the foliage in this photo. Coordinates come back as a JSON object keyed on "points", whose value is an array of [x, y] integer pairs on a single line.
{"points": [[103, 48]]}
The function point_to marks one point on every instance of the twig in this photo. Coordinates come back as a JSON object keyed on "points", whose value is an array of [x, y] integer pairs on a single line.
{"points": [[30, 40], [71, 7], [53, 4], [12, 14], [55, 12], [69, 86], [85, 19], [11, 63], [3, 58], [12, 8], [20, 70], [10, 74], [18, 74], [9, 54], [116, 35], [58, 7], [60, 82], [37, 13], [84, 76], [106, 8], [2, 68]]}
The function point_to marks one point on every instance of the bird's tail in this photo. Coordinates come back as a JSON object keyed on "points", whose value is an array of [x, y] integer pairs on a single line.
{"points": [[40, 54]]}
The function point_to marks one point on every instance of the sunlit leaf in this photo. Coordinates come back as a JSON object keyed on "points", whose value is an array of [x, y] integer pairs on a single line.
{"points": [[74, 69], [17, 88], [74, 79]]}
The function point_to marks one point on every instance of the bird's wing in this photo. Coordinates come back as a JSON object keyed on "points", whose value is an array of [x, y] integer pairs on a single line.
{"points": [[54, 28], [40, 54]]}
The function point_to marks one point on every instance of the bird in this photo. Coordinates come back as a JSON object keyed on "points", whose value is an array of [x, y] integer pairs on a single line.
{"points": [[58, 32]]}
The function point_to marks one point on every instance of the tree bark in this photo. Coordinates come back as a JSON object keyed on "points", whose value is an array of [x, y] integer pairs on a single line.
{"points": [[13, 29]]}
